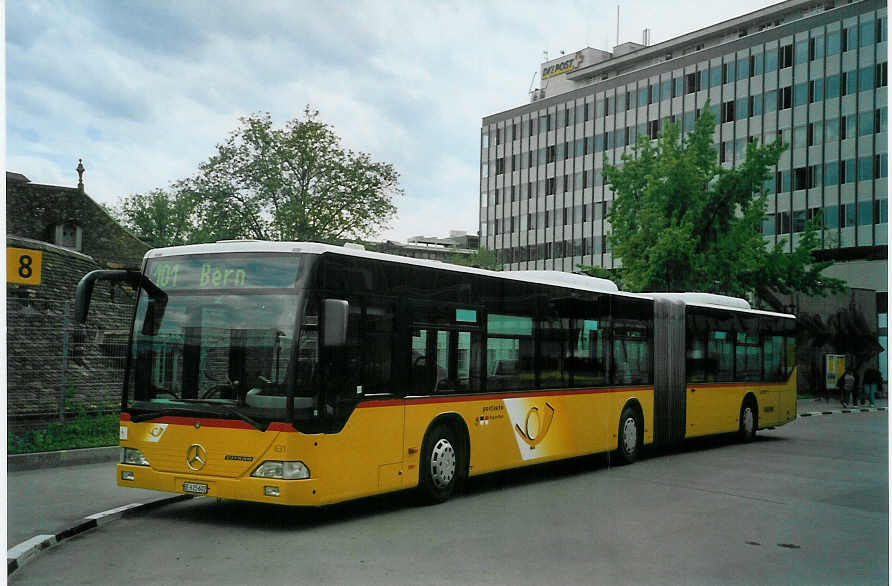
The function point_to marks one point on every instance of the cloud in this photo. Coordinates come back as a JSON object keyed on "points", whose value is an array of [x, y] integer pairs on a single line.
{"points": [[143, 91]]}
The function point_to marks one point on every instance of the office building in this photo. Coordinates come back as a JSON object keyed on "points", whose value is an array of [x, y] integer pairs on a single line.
{"points": [[814, 73]]}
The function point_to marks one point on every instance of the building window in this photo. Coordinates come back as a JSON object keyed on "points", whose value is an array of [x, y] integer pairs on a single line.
{"points": [[69, 235], [881, 74], [692, 83], [849, 39], [727, 72], [785, 97], [653, 129], [786, 56], [770, 61], [549, 186], [800, 94], [866, 34], [728, 112], [815, 90]]}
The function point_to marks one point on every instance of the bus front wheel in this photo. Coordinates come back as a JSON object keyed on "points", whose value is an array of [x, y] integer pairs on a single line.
{"points": [[630, 436], [439, 464]]}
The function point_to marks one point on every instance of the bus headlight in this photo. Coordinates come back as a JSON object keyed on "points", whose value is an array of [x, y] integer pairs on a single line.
{"points": [[133, 456], [283, 470]]}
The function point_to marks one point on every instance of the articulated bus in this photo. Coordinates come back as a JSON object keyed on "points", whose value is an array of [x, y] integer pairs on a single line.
{"points": [[308, 374]]}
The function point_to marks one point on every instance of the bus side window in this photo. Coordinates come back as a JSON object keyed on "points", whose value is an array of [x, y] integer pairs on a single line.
{"points": [[632, 359], [509, 352], [747, 351]]}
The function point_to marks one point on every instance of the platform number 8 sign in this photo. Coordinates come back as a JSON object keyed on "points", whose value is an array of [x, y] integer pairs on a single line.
{"points": [[23, 266]]}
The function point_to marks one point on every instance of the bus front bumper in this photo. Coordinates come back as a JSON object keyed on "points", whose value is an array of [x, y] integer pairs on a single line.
{"points": [[247, 488]]}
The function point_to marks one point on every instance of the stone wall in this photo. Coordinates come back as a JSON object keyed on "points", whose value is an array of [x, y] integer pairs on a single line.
{"points": [[53, 363]]}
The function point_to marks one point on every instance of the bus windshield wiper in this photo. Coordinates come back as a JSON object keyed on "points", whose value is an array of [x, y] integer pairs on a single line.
{"points": [[188, 411], [146, 416]]}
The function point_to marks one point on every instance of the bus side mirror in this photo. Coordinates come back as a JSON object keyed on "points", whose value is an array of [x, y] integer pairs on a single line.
{"points": [[335, 312], [84, 291], [85, 288]]}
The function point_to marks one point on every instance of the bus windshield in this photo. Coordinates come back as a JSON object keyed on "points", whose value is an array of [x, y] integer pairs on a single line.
{"points": [[223, 353]]}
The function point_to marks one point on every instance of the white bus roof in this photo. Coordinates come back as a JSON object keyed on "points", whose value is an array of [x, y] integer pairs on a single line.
{"points": [[558, 278], [711, 300]]}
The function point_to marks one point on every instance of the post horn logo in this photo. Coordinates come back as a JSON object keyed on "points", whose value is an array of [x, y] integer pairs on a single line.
{"points": [[196, 457], [535, 428]]}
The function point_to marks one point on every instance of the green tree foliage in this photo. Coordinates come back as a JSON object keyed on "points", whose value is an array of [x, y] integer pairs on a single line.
{"points": [[160, 217], [267, 183], [682, 222], [483, 258]]}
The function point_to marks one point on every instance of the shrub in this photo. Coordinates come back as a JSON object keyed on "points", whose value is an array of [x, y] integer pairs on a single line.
{"points": [[81, 431]]}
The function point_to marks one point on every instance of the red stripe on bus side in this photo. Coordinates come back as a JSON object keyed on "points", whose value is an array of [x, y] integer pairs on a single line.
{"points": [[760, 384]]}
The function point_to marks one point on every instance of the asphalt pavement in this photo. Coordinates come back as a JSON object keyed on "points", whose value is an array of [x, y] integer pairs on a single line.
{"points": [[61, 498]]}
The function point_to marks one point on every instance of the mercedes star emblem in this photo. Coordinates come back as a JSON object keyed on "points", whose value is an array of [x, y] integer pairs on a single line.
{"points": [[196, 457]]}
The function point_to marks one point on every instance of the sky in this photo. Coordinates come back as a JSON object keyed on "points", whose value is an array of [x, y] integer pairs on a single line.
{"points": [[144, 91]]}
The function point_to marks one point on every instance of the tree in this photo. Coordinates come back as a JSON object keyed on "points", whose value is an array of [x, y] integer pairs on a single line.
{"points": [[682, 222], [266, 183], [159, 217], [483, 258]]}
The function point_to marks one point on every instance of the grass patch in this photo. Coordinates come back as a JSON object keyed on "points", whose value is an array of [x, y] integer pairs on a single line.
{"points": [[83, 430]]}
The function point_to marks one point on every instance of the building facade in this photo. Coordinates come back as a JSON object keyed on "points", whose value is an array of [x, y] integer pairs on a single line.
{"points": [[814, 73], [811, 72]]}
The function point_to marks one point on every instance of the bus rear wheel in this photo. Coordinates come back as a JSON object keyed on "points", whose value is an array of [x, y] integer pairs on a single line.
{"points": [[748, 421], [440, 464], [630, 436]]}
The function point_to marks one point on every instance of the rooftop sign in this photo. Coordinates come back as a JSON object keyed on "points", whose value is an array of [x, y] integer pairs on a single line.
{"points": [[565, 66]]}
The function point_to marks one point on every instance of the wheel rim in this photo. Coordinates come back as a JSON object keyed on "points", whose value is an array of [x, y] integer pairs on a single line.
{"points": [[749, 421], [630, 435], [442, 463]]}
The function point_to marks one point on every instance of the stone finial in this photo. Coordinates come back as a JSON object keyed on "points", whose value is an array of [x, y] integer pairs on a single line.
{"points": [[80, 175]]}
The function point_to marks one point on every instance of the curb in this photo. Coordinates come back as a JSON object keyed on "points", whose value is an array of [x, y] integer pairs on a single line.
{"points": [[844, 410], [26, 551], [35, 460]]}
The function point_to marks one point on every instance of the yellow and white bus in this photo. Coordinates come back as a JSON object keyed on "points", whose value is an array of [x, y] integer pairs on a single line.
{"points": [[307, 374]]}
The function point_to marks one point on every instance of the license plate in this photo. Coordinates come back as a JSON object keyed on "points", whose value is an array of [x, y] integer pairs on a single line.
{"points": [[195, 487]]}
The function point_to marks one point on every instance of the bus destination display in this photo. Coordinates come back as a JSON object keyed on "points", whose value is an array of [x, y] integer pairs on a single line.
{"points": [[215, 272]]}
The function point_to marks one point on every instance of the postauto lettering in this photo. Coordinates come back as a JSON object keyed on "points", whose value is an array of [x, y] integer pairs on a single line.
{"points": [[558, 68]]}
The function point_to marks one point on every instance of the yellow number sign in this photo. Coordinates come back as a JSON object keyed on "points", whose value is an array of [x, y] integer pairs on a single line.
{"points": [[23, 266]]}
